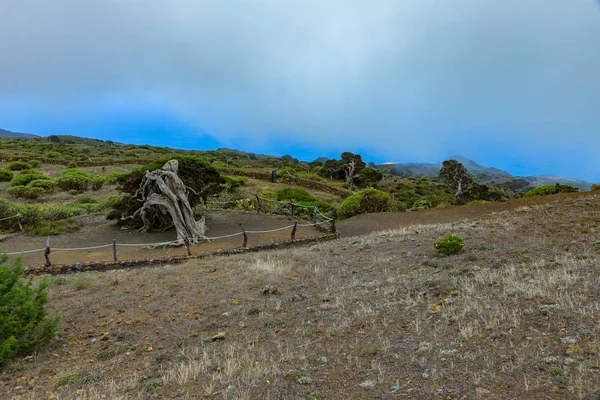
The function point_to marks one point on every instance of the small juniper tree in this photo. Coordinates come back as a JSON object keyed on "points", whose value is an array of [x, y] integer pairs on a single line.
{"points": [[24, 322], [454, 175]]}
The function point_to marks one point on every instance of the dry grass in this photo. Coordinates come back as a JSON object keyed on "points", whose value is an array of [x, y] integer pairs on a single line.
{"points": [[378, 316]]}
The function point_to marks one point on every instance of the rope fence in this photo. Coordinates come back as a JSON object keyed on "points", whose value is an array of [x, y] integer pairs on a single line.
{"points": [[198, 240], [186, 241]]}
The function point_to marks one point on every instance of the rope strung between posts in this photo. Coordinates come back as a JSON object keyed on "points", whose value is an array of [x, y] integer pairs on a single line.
{"points": [[15, 253], [272, 230]]}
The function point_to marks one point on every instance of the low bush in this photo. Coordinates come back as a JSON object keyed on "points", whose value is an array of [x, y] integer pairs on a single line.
{"points": [[113, 177], [24, 322], [449, 244], [18, 165], [25, 192], [25, 177], [6, 175], [595, 187], [75, 179], [366, 201], [311, 176], [34, 163], [47, 184], [550, 189]]}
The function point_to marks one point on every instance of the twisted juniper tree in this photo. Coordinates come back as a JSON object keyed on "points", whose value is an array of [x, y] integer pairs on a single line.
{"points": [[163, 197]]}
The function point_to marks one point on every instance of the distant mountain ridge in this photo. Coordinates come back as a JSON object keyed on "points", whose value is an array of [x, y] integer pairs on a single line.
{"points": [[15, 135], [481, 174]]}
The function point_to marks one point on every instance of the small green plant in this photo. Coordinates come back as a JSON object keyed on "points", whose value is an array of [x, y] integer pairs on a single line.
{"points": [[550, 189], [24, 322], [6, 175], [449, 244], [34, 163]]}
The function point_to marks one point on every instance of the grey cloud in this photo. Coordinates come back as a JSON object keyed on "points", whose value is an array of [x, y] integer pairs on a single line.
{"points": [[398, 78]]}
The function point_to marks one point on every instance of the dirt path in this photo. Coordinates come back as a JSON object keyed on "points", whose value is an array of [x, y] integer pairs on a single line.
{"points": [[96, 231], [367, 223]]}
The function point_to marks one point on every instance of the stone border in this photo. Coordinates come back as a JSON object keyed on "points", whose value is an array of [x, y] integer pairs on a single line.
{"points": [[111, 265]]}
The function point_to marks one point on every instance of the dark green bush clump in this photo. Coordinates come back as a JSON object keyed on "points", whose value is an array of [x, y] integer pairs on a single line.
{"points": [[27, 176], [595, 187], [24, 322], [18, 165], [449, 244], [366, 201], [6, 175], [550, 189]]}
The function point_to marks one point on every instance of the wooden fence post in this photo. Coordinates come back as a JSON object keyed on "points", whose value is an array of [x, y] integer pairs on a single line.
{"points": [[333, 218], [292, 207], [19, 222], [257, 203], [245, 236], [47, 253], [294, 230], [115, 250]]}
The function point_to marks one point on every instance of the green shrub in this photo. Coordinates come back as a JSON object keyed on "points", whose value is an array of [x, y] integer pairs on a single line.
{"points": [[550, 189], [47, 184], [268, 194], [97, 183], [310, 176], [25, 192], [6, 175], [113, 177], [366, 201], [34, 163], [449, 244], [75, 179], [18, 165], [298, 195], [24, 322], [24, 178], [595, 187]]}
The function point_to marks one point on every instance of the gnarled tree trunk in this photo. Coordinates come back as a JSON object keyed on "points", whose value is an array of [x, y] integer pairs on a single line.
{"points": [[166, 205]]}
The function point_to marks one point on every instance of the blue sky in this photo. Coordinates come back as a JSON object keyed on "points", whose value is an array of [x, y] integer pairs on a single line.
{"points": [[513, 84]]}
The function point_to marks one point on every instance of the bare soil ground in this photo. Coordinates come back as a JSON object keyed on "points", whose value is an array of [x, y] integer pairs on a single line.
{"points": [[96, 231], [378, 316]]}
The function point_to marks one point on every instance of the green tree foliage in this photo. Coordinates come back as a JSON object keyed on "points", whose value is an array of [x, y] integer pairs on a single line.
{"points": [[6, 175], [449, 244], [369, 177], [352, 165], [197, 174], [595, 187], [550, 189], [24, 322], [366, 201], [454, 175]]}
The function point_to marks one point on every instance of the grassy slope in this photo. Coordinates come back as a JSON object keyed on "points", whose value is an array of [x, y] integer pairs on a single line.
{"points": [[514, 316]]}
